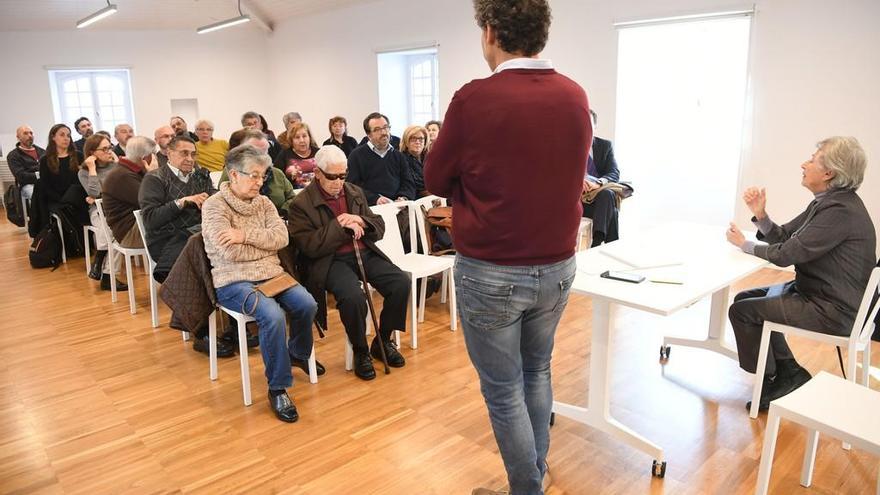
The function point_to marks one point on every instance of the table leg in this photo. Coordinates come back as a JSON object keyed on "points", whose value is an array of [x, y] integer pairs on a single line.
{"points": [[714, 341], [597, 414]]}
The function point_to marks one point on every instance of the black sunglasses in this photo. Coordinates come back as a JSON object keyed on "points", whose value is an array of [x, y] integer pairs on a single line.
{"points": [[341, 176]]}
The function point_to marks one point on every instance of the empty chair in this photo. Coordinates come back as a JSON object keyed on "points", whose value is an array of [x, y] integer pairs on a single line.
{"points": [[851, 416], [858, 341]]}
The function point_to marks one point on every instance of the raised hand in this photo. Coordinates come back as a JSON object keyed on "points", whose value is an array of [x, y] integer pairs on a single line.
{"points": [[756, 200], [735, 236]]}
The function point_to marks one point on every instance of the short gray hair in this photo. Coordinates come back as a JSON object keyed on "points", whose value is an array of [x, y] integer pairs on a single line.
{"points": [[249, 115], [328, 155], [290, 116], [844, 156], [240, 156], [140, 147]]}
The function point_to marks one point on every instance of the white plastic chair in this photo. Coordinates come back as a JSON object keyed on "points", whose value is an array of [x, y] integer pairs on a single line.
{"points": [[151, 265], [61, 235], [127, 253], [428, 203], [215, 178], [859, 340], [850, 416], [419, 266], [94, 231], [585, 230], [241, 321]]}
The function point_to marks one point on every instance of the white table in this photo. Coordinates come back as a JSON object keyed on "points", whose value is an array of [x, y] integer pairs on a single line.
{"points": [[705, 264]]}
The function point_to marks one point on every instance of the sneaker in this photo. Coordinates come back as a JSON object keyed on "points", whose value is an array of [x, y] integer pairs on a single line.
{"points": [[363, 366], [395, 359], [202, 345]]}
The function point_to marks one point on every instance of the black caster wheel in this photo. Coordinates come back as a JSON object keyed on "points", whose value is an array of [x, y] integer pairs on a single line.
{"points": [[552, 418], [658, 469], [664, 351]]}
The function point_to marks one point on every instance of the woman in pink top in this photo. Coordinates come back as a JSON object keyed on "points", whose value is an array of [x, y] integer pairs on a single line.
{"points": [[298, 161]]}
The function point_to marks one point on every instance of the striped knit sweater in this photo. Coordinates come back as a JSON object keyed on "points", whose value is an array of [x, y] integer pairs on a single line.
{"points": [[265, 233]]}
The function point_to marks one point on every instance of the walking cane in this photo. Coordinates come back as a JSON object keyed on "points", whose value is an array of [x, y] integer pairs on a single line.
{"points": [[357, 252]]}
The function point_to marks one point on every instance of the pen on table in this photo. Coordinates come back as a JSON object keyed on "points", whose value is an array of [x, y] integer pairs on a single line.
{"points": [[673, 282]]}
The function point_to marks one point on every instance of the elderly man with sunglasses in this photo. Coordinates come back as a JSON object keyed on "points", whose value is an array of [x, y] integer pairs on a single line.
{"points": [[326, 219]]}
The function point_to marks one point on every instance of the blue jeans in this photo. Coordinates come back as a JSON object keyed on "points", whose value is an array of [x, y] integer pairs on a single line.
{"points": [[275, 347], [509, 316]]}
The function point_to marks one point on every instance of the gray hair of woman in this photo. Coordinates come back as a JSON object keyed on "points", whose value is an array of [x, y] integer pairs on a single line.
{"points": [[290, 117], [328, 155], [844, 156], [241, 156], [139, 147]]}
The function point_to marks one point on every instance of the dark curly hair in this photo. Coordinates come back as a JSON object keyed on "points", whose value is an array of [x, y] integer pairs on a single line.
{"points": [[521, 26]]}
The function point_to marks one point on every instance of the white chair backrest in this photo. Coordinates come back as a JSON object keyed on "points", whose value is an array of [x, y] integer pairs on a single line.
{"points": [[863, 326], [428, 203], [140, 223], [108, 234], [215, 178], [391, 243]]}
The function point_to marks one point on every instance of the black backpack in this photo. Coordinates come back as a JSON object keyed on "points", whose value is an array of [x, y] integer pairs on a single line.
{"points": [[12, 203], [45, 251]]}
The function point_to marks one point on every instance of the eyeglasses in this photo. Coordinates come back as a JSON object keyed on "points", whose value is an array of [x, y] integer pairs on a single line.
{"points": [[255, 176], [104, 149], [341, 176], [205, 129], [378, 129], [417, 139], [187, 154]]}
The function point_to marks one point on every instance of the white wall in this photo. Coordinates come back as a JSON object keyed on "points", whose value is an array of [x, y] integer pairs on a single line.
{"points": [[814, 70], [226, 71]]}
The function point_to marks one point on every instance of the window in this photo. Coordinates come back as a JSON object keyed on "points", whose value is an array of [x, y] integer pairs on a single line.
{"points": [[101, 95], [681, 94], [408, 87]]}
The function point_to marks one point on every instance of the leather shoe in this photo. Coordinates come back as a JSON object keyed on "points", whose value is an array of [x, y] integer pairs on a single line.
{"points": [[105, 283], [223, 349], [363, 367], [304, 365], [231, 338], [783, 385], [283, 408], [395, 359]]}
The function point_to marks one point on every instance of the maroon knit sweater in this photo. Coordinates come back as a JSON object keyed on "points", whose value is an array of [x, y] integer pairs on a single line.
{"points": [[512, 155]]}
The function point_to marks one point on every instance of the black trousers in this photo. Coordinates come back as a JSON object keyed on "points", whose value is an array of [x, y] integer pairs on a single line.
{"points": [[343, 281], [779, 304], [603, 211], [166, 253]]}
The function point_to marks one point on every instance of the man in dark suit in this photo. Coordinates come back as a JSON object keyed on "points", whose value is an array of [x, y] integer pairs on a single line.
{"points": [[601, 169]]}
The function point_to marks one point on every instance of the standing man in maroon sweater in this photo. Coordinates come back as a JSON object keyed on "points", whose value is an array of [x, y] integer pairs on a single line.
{"points": [[512, 157]]}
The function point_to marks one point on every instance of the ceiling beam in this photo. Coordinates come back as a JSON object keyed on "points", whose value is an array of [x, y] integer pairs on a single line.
{"points": [[256, 15]]}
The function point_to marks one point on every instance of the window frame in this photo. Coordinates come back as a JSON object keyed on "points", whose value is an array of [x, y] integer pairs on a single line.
{"points": [[95, 112]]}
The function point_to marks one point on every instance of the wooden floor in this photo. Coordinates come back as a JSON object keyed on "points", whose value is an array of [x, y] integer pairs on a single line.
{"points": [[94, 400]]}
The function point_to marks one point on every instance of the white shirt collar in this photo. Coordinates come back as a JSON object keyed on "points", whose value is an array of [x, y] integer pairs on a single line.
{"points": [[178, 173], [380, 153], [525, 63]]}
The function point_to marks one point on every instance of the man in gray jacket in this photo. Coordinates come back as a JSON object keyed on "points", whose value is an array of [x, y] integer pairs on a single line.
{"points": [[832, 247]]}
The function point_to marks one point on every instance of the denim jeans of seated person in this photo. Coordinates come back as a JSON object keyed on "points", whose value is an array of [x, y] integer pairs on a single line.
{"points": [[270, 313], [509, 315]]}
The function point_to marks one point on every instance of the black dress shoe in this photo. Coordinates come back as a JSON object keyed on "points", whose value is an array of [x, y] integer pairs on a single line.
{"points": [[95, 270], [223, 349], [395, 359], [304, 365], [783, 385], [764, 404], [105, 283], [363, 367], [231, 338], [283, 407]]}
